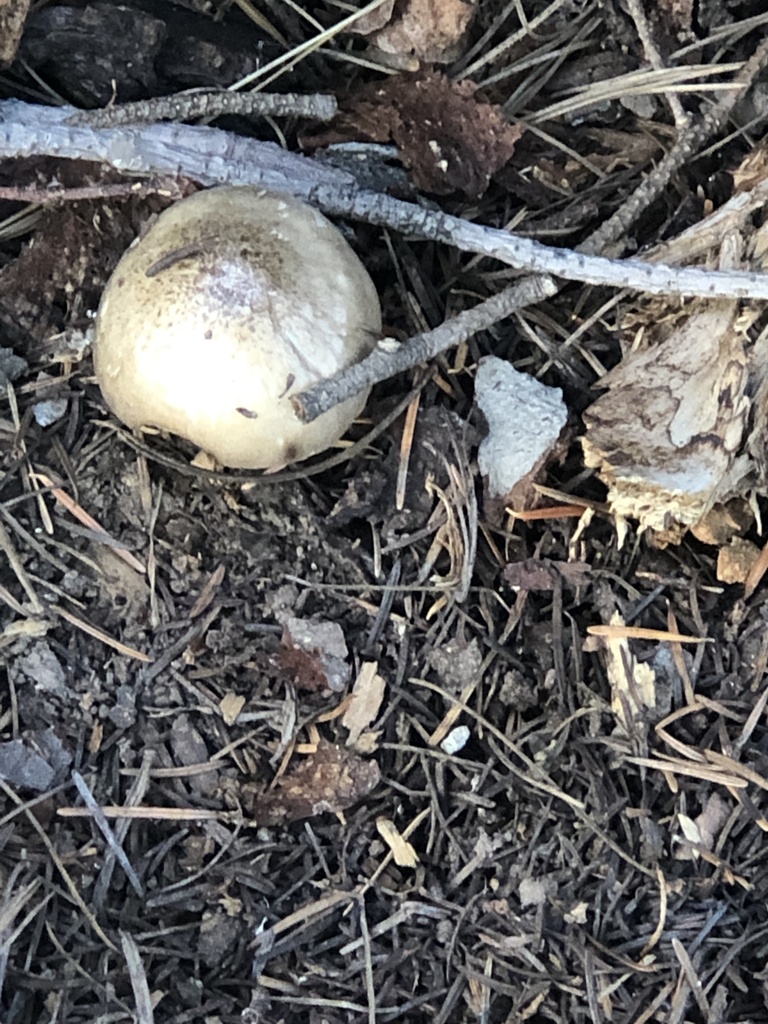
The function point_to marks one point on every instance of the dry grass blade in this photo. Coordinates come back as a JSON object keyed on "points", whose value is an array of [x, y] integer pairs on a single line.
{"points": [[641, 633], [639, 83], [19, 223], [6, 544], [58, 864], [645, 35], [152, 813], [12, 904], [658, 931], [740, 771], [691, 976], [533, 775], [263, 23], [370, 986], [289, 60], [757, 572], [511, 39], [677, 767], [104, 827], [79, 513], [141, 994], [99, 634]]}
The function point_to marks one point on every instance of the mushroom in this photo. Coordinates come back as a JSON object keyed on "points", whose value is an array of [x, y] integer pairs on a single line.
{"points": [[235, 299]]}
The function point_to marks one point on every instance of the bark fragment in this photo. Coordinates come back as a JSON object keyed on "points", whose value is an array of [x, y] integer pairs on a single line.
{"points": [[681, 427]]}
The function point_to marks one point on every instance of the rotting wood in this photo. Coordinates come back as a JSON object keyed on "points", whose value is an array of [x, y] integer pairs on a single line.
{"points": [[669, 436]]}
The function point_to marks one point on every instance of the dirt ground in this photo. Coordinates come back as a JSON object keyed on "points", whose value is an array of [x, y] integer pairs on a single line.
{"points": [[590, 853]]}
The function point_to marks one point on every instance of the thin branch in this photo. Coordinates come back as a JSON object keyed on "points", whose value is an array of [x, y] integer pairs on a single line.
{"points": [[614, 230], [383, 364], [213, 157], [45, 195], [645, 35], [189, 106]]}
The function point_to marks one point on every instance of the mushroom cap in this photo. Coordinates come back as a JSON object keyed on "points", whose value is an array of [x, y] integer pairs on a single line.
{"points": [[235, 299]]}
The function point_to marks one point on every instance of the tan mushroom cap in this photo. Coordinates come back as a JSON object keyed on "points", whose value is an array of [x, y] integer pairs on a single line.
{"points": [[233, 301]]}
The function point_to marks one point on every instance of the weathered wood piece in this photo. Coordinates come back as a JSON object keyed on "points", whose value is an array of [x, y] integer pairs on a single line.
{"points": [[669, 436]]}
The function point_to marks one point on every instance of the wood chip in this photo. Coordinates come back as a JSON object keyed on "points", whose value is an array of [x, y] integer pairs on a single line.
{"points": [[230, 706], [332, 779], [667, 435], [367, 695], [404, 854]]}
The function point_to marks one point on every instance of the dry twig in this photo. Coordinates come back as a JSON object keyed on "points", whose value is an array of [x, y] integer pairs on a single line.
{"points": [[612, 234], [189, 106], [214, 157]]}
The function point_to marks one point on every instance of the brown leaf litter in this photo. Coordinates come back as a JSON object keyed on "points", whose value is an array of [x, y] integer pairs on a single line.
{"points": [[449, 139]]}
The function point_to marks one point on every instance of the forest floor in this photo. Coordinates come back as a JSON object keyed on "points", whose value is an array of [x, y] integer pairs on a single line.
{"points": [[391, 752]]}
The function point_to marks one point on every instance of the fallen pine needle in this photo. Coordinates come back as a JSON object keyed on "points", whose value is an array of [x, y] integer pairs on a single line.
{"points": [[78, 512], [153, 813], [99, 634], [695, 771], [554, 512], [639, 633]]}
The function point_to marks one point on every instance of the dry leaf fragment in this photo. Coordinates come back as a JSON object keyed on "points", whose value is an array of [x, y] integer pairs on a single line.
{"points": [[449, 140], [702, 832], [577, 914], [735, 561], [368, 743], [711, 820], [420, 30], [753, 169], [366, 698], [404, 854], [127, 594], [374, 20], [689, 828], [332, 779], [723, 522], [217, 937], [633, 684], [189, 749], [230, 706], [313, 655], [544, 574]]}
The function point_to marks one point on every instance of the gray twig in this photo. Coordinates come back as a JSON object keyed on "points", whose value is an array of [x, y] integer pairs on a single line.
{"points": [[189, 106], [106, 830], [383, 363], [212, 156], [653, 56], [696, 135]]}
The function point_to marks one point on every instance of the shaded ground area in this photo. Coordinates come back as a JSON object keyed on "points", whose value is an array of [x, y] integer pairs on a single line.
{"points": [[590, 853]]}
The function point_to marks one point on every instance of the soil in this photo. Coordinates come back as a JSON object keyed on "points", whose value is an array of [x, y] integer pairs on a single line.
{"points": [[189, 651]]}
